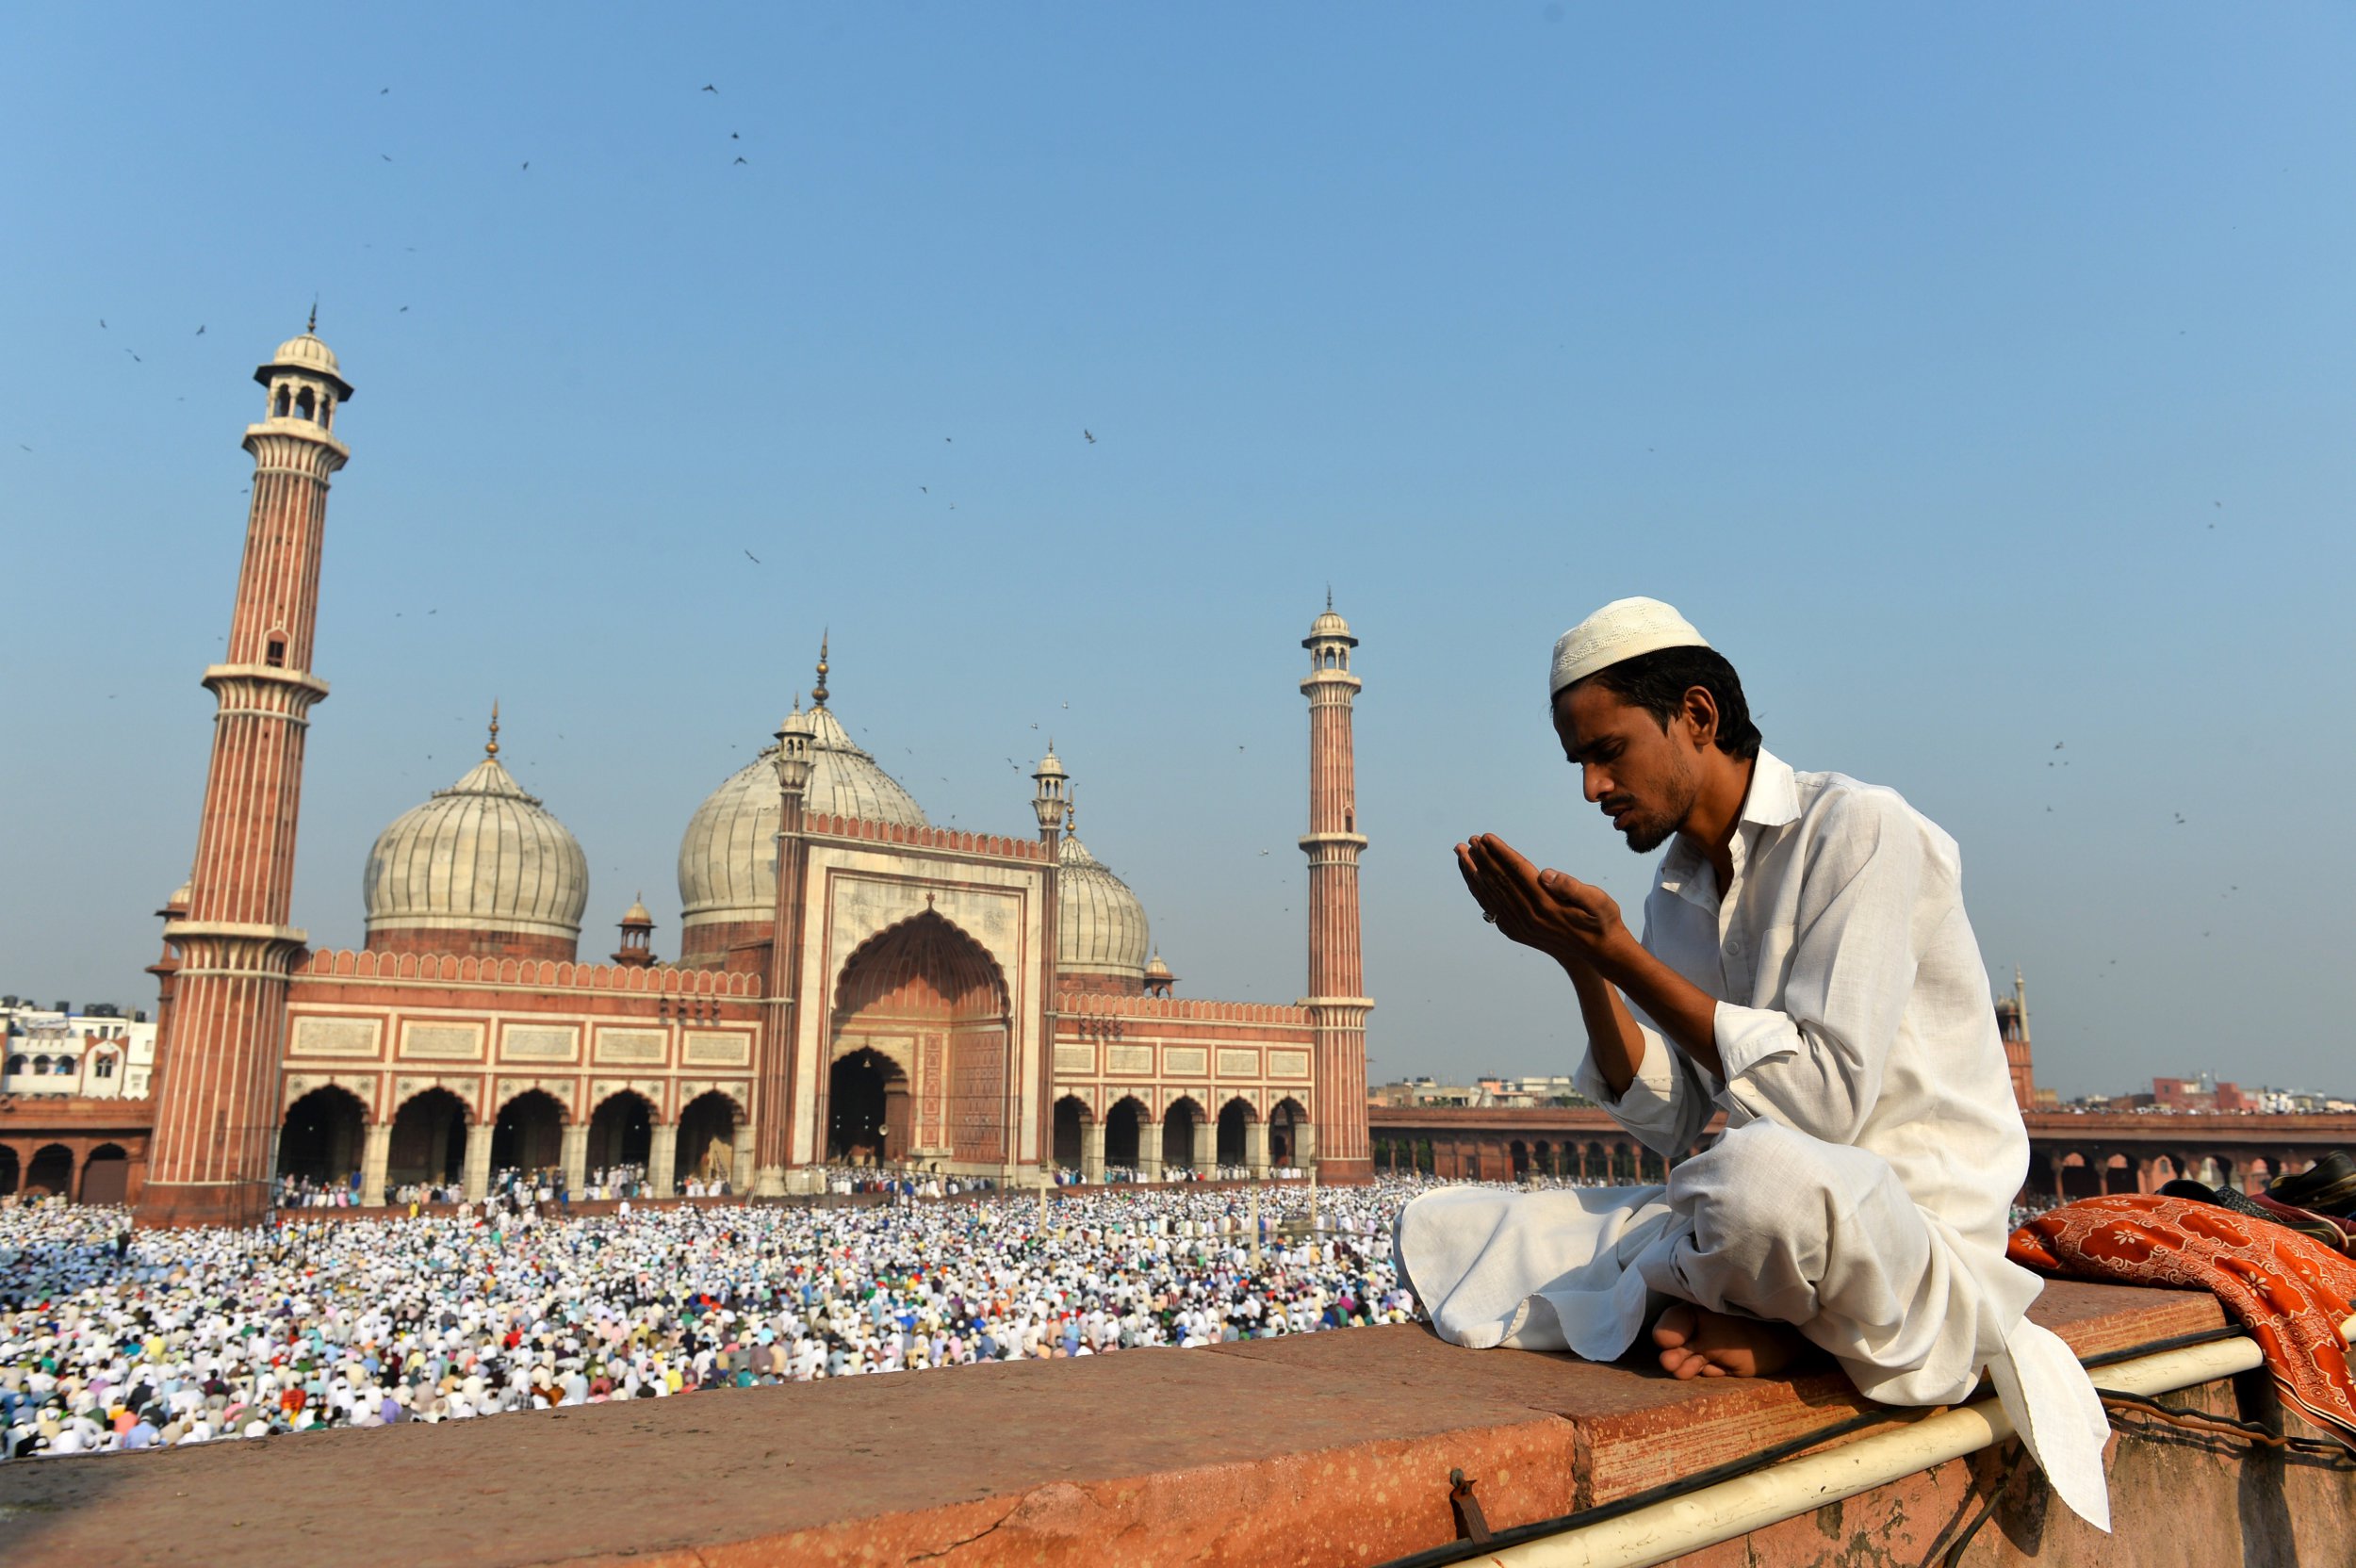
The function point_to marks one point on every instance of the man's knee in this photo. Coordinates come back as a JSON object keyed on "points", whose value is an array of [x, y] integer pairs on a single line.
{"points": [[1765, 1186]]}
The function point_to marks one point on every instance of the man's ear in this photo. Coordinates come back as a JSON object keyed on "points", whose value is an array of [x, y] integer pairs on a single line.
{"points": [[1700, 717]]}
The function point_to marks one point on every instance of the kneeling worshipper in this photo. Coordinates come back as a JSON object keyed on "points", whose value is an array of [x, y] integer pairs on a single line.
{"points": [[1805, 967]]}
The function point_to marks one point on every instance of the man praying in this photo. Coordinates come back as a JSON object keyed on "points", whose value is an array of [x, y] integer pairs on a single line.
{"points": [[1805, 966]]}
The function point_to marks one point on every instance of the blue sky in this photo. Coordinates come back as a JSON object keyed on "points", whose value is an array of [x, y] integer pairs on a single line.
{"points": [[1978, 379]]}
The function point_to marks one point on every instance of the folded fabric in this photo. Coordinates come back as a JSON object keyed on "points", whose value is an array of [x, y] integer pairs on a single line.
{"points": [[2290, 1292]]}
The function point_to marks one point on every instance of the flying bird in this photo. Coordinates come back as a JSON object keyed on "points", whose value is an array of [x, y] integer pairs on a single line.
{"points": [[751, 557], [135, 359], [402, 308], [733, 137], [102, 323], [708, 88], [386, 156], [741, 158], [199, 331], [527, 163], [1091, 435]]}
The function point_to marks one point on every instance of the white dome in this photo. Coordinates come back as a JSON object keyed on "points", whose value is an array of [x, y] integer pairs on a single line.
{"points": [[308, 352], [1100, 925], [480, 856], [727, 864]]}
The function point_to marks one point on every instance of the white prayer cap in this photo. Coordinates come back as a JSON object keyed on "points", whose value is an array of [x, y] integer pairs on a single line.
{"points": [[1620, 630]]}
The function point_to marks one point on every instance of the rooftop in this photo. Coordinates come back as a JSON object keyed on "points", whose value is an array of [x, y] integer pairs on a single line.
{"points": [[1328, 1447]]}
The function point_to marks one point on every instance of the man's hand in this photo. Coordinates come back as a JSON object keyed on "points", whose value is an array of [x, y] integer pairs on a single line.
{"points": [[1574, 923]]}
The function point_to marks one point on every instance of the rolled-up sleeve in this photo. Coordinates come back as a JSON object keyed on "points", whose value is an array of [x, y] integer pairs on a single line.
{"points": [[1665, 1106], [1816, 1064]]}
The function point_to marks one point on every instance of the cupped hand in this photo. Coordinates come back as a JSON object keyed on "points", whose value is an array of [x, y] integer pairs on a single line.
{"points": [[1572, 922]]}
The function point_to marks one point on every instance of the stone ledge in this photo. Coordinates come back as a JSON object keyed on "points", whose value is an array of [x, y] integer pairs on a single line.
{"points": [[1329, 1448]]}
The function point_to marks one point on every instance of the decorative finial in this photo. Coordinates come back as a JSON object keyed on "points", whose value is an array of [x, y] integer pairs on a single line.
{"points": [[313, 324], [1329, 596], [493, 748], [1071, 810], [818, 694]]}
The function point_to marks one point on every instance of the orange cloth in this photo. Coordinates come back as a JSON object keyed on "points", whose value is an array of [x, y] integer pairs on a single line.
{"points": [[2291, 1293]]}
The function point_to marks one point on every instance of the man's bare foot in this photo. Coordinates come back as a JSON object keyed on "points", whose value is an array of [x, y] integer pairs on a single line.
{"points": [[1697, 1343]]}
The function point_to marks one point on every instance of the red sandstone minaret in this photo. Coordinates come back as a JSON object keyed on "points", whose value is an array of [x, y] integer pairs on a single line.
{"points": [[2012, 1023], [1336, 1002], [217, 1099]]}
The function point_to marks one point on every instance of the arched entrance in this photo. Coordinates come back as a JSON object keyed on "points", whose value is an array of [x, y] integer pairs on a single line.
{"points": [[320, 1139], [1070, 1131], [1123, 1125], [530, 1132], [863, 1091], [106, 1174], [10, 1173], [707, 1142], [1234, 1140], [429, 1141], [1178, 1125], [1285, 1125], [928, 1000], [51, 1170], [621, 1132]]}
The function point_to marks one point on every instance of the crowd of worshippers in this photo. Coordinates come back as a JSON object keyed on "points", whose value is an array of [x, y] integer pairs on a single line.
{"points": [[112, 1338]]}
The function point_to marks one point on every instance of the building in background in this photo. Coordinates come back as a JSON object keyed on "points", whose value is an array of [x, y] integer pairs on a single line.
{"points": [[853, 982]]}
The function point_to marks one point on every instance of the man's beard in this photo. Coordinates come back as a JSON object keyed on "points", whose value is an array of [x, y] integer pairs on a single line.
{"points": [[1648, 833]]}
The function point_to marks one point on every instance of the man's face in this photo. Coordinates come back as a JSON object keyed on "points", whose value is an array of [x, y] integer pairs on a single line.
{"points": [[1645, 778]]}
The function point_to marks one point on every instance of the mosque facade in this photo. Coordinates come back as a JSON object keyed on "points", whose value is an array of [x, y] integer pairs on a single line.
{"points": [[853, 982]]}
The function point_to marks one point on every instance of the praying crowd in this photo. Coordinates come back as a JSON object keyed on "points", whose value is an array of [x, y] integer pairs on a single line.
{"points": [[112, 1338]]}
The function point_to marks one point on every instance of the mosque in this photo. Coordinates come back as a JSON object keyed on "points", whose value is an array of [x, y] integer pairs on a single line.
{"points": [[853, 982]]}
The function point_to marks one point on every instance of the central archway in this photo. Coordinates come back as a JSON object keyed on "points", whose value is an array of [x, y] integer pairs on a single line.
{"points": [[861, 1089], [929, 1003]]}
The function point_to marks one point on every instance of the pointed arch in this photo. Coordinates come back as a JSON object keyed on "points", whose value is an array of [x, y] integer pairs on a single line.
{"points": [[927, 998]]}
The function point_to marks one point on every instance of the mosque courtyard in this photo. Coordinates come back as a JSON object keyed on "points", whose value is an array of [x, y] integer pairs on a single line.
{"points": [[117, 1339]]}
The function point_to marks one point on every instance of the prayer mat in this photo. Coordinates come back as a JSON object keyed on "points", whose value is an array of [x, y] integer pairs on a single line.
{"points": [[2291, 1293]]}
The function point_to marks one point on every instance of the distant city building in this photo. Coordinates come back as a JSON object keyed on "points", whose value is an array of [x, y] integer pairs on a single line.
{"points": [[96, 1052]]}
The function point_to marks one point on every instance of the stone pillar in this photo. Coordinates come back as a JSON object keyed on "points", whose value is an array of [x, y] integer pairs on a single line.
{"points": [[375, 1151], [478, 1162], [574, 1156], [662, 1159], [1205, 1145], [740, 1166], [1255, 1148], [1092, 1150], [1150, 1153]]}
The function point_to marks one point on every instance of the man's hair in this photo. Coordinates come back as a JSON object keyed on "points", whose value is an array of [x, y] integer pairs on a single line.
{"points": [[1657, 681]]}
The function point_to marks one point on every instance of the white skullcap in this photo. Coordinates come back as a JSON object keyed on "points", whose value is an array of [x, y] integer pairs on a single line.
{"points": [[1620, 630]]}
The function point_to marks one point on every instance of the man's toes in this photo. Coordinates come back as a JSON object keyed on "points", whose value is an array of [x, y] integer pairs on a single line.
{"points": [[1675, 1326]]}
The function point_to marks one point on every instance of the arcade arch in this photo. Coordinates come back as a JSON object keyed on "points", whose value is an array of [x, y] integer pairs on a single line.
{"points": [[1072, 1120], [429, 1142], [1124, 1128], [707, 1142], [1178, 1131], [529, 1133], [621, 1132], [322, 1138]]}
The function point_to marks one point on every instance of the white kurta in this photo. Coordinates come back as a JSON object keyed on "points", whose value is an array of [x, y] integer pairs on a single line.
{"points": [[1862, 1192]]}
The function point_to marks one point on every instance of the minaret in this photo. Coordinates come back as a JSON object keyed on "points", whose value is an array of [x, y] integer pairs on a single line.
{"points": [[1336, 1000], [774, 1089], [217, 1102], [1052, 804], [2012, 1022]]}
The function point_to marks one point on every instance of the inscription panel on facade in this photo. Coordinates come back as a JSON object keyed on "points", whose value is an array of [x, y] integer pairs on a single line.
{"points": [[629, 1045], [442, 1043], [1238, 1063], [335, 1036], [539, 1042], [1075, 1059], [1288, 1064], [703, 1049], [1190, 1060], [1129, 1058]]}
